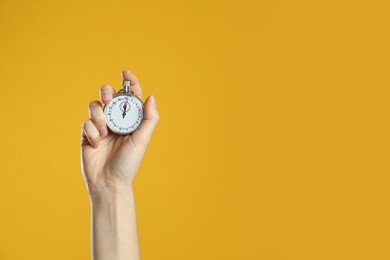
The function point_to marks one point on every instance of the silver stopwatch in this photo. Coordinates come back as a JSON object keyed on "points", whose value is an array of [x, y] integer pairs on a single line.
{"points": [[125, 112]]}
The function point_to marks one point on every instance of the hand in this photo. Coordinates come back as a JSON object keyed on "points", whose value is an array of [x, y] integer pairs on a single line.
{"points": [[109, 161]]}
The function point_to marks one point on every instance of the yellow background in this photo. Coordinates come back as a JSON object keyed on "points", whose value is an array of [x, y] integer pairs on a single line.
{"points": [[273, 141]]}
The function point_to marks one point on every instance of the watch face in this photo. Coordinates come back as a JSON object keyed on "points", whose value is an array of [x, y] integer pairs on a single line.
{"points": [[124, 113]]}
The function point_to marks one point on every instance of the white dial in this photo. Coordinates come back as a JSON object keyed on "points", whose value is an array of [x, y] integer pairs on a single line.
{"points": [[124, 113]]}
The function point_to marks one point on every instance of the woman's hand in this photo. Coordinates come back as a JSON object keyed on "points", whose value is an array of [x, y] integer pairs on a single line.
{"points": [[109, 161]]}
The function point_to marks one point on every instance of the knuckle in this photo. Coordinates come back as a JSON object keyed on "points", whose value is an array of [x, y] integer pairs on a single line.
{"points": [[92, 136], [105, 88], [84, 125], [83, 129], [99, 119], [93, 104], [156, 117], [93, 139], [95, 109], [88, 124]]}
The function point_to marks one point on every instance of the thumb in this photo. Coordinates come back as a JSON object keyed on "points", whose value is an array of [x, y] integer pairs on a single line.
{"points": [[144, 133]]}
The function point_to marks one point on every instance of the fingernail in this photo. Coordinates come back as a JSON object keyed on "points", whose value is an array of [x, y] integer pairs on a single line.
{"points": [[105, 96], [153, 101], [103, 131]]}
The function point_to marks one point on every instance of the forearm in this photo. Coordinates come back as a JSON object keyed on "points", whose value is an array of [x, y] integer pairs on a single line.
{"points": [[114, 228]]}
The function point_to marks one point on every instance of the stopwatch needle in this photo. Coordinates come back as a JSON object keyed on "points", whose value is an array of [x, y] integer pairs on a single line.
{"points": [[124, 110]]}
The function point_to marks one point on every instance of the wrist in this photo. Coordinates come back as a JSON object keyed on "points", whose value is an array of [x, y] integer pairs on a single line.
{"points": [[114, 227], [113, 194]]}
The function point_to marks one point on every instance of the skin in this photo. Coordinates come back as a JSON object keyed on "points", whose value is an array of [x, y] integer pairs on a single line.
{"points": [[109, 164]]}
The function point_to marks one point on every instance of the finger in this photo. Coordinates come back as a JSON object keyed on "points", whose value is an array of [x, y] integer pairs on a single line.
{"points": [[134, 83], [84, 139], [91, 133], [145, 131], [98, 118], [106, 93]]}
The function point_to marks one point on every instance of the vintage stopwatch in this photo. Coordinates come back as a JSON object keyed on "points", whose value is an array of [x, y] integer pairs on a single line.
{"points": [[125, 112]]}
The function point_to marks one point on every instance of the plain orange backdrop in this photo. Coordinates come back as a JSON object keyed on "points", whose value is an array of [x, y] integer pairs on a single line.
{"points": [[273, 141]]}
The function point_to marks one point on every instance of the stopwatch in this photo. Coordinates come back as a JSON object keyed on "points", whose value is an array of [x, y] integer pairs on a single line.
{"points": [[125, 112]]}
